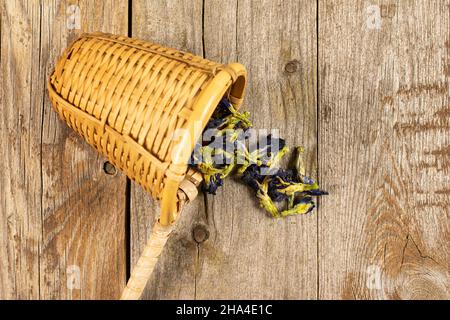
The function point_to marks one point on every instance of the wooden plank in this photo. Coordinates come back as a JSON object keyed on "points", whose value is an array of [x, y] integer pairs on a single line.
{"points": [[384, 149], [83, 206], [64, 217], [250, 255], [384, 155], [21, 104], [176, 24]]}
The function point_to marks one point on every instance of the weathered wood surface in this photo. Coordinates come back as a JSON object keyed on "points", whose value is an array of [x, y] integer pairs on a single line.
{"points": [[384, 139], [250, 255], [240, 32], [364, 87], [62, 218]]}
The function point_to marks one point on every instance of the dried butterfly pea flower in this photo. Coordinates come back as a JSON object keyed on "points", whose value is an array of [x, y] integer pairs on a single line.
{"points": [[274, 185], [299, 162], [266, 154], [231, 118], [256, 164], [222, 110], [252, 177], [214, 123], [304, 206], [214, 181], [316, 192], [264, 199], [213, 171]]}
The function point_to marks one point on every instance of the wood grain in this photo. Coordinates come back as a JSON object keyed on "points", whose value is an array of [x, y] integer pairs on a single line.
{"points": [[250, 255], [21, 127], [64, 217], [376, 133], [384, 150], [176, 24]]}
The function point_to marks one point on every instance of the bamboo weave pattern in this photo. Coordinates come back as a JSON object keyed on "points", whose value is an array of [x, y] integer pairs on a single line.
{"points": [[127, 97]]}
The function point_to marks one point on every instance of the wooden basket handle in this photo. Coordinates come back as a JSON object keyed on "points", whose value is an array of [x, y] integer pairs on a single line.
{"points": [[155, 244], [147, 262]]}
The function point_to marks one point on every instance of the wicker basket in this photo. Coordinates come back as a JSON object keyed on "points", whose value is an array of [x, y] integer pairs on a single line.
{"points": [[143, 106]]}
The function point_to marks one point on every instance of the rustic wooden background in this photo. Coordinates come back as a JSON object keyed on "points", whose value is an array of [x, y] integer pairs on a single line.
{"points": [[363, 85]]}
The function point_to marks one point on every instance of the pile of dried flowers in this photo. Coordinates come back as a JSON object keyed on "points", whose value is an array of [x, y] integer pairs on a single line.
{"points": [[228, 145]]}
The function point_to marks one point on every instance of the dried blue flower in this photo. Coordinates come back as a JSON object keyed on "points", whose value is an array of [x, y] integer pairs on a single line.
{"points": [[257, 165], [301, 206], [214, 123], [277, 196], [264, 199], [222, 109], [272, 150], [252, 177], [316, 192], [272, 144], [281, 175], [214, 182]]}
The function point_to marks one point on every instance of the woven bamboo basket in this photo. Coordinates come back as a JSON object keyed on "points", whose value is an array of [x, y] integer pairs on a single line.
{"points": [[143, 106]]}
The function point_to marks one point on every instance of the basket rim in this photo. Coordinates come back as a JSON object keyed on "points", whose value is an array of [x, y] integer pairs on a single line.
{"points": [[230, 78]]}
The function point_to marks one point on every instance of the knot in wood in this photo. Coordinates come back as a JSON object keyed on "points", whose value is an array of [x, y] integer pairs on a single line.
{"points": [[109, 168], [291, 66], [200, 233]]}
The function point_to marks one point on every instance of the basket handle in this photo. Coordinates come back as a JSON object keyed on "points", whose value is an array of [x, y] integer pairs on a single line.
{"points": [[147, 262], [160, 234]]}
